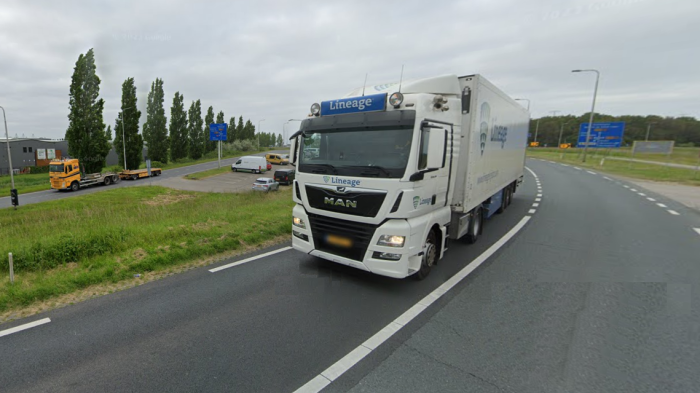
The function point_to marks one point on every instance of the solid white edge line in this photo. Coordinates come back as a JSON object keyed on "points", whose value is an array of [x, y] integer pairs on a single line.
{"points": [[651, 199], [675, 213], [533, 173], [267, 254], [661, 205], [26, 326], [341, 366], [697, 230]]}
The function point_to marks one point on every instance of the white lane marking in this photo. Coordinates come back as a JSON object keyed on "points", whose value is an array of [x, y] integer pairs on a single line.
{"points": [[267, 254], [591, 172], [535, 205], [697, 230], [661, 205], [532, 211], [577, 168], [626, 186], [539, 195], [651, 199], [633, 190], [538, 199], [533, 173], [26, 326], [641, 194], [675, 213], [565, 164], [606, 178], [348, 361]]}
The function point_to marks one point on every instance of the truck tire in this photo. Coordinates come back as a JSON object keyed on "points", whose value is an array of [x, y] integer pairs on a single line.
{"points": [[429, 257], [510, 195], [475, 226], [74, 186], [108, 180]]}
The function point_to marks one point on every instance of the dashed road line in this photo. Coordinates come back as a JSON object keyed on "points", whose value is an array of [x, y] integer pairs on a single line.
{"points": [[607, 178], [675, 213], [26, 326], [661, 205], [697, 230], [641, 194], [651, 199], [626, 186], [538, 199], [591, 172], [532, 211], [535, 205], [577, 168], [539, 195], [564, 164], [633, 190]]}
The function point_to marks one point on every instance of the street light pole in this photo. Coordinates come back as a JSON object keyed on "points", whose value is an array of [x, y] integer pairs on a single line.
{"points": [[648, 130], [561, 131], [9, 156], [524, 99], [123, 135], [537, 128], [590, 121], [259, 132]]}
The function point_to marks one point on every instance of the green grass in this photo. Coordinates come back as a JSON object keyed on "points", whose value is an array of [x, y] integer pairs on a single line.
{"points": [[634, 170], [680, 155], [209, 173], [25, 183], [60, 247]]}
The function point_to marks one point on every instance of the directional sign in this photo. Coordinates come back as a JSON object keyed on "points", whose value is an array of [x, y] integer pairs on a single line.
{"points": [[217, 132], [605, 135], [658, 147]]}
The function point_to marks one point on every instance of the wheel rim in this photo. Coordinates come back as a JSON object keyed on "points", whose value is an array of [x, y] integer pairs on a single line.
{"points": [[477, 224], [430, 254]]}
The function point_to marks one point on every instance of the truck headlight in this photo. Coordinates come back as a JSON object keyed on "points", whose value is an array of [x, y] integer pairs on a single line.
{"points": [[391, 241], [298, 222]]}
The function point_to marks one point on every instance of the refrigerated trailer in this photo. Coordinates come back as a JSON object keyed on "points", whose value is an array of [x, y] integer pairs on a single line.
{"points": [[402, 169]]}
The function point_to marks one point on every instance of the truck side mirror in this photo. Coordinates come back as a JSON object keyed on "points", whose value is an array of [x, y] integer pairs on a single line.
{"points": [[436, 148], [293, 150]]}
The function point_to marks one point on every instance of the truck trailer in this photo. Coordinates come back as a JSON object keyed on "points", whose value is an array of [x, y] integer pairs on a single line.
{"points": [[65, 174], [404, 169]]}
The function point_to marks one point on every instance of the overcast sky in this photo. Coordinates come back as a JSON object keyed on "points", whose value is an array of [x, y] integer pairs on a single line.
{"points": [[272, 59]]}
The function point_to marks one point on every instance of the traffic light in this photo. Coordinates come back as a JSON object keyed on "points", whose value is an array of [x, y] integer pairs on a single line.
{"points": [[14, 197]]}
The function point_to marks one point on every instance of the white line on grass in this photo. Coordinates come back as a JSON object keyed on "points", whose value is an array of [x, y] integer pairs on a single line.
{"points": [[348, 361], [267, 254], [26, 326]]}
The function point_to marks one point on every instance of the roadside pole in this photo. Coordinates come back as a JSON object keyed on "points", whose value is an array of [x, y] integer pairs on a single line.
{"points": [[12, 270], [13, 192], [697, 168], [219, 149]]}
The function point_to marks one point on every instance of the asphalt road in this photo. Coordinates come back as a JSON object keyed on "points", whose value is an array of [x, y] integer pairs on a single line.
{"points": [[594, 294], [50, 195]]}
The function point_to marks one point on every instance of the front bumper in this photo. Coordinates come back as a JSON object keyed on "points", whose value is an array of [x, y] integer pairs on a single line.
{"points": [[306, 239]]}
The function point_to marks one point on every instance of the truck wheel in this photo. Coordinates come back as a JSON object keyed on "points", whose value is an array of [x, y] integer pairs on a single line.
{"points": [[510, 195], [429, 256], [108, 181], [475, 226], [134, 177], [74, 186], [233, 169]]}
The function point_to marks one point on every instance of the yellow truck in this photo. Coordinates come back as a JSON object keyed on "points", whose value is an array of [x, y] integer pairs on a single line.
{"points": [[65, 174]]}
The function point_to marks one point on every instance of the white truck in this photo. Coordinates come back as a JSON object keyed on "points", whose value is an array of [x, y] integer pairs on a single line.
{"points": [[403, 169]]}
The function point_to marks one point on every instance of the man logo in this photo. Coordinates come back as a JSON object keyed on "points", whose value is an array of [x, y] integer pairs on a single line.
{"points": [[326, 179], [416, 201], [340, 202], [341, 190]]}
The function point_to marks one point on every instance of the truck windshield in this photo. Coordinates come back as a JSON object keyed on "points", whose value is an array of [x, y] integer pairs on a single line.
{"points": [[56, 168], [362, 153]]}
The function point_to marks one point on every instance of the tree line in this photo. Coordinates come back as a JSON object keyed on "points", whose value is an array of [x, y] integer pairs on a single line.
{"points": [[185, 136], [685, 131]]}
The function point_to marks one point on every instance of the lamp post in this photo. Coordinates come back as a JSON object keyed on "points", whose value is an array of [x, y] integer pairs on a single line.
{"points": [[524, 99], [590, 121], [561, 131], [648, 130], [259, 132], [537, 128], [9, 156], [285, 135], [123, 135]]}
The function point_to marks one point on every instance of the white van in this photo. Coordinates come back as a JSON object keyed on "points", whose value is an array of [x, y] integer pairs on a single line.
{"points": [[250, 163]]}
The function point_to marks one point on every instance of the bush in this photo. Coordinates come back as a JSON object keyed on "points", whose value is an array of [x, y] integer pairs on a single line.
{"points": [[39, 169], [157, 164], [687, 144]]}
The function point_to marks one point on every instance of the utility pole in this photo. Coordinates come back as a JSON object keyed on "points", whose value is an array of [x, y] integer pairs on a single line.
{"points": [[561, 131], [537, 127], [590, 121], [554, 113], [9, 155], [648, 130], [259, 132]]}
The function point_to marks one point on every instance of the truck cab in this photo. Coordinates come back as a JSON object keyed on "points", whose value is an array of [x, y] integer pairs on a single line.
{"points": [[65, 174]]}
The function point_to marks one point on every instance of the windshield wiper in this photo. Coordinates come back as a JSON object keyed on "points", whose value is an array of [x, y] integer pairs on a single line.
{"points": [[378, 168], [329, 166]]}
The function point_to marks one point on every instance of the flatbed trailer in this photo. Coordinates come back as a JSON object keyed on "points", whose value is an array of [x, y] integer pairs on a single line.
{"points": [[139, 173], [64, 174]]}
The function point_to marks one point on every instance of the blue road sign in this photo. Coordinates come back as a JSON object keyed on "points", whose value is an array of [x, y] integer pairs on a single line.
{"points": [[373, 103], [217, 132], [604, 135]]}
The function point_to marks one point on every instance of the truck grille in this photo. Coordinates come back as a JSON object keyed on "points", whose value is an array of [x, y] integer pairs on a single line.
{"points": [[353, 202], [360, 234]]}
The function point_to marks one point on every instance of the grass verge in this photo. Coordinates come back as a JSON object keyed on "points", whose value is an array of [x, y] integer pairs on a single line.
{"points": [[680, 155], [209, 173], [61, 247], [633, 170]]}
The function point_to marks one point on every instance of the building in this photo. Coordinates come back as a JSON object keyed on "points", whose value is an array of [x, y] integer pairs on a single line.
{"points": [[27, 152]]}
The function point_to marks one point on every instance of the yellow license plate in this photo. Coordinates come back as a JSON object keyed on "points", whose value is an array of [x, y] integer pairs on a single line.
{"points": [[339, 241]]}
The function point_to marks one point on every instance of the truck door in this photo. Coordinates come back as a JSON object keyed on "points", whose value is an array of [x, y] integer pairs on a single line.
{"points": [[434, 162]]}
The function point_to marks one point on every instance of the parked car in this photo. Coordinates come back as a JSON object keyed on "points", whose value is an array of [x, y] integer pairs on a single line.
{"points": [[276, 159], [266, 185], [285, 176], [250, 163]]}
